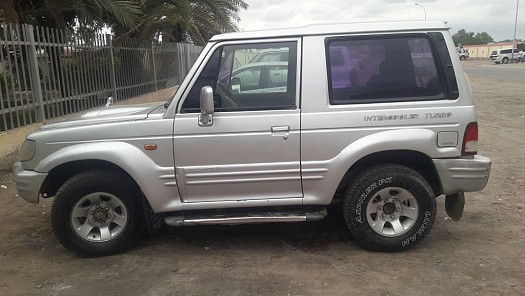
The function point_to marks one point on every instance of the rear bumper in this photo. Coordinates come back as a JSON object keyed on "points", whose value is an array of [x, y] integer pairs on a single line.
{"points": [[463, 174], [28, 183]]}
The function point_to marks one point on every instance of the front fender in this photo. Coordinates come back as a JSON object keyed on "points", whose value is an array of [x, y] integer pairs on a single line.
{"points": [[157, 183], [321, 178]]}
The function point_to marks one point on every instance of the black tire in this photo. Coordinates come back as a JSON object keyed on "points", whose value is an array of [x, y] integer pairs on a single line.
{"points": [[462, 58], [111, 201], [405, 208], [505, 60]]}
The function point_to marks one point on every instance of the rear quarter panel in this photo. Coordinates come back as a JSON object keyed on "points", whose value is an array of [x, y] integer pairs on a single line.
{"points": [[334, 137]]}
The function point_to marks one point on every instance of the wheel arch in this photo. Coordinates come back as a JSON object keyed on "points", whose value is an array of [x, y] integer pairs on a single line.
{"points": [[156, 182], [418, 161], [63, 172]]}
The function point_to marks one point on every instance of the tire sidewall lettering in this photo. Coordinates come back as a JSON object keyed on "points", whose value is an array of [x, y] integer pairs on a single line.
{"points": [[419, 233], [372, 188]]}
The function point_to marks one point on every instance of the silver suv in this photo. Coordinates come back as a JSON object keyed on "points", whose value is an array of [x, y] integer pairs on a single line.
{"points": [[506, 55], [377, 117]]}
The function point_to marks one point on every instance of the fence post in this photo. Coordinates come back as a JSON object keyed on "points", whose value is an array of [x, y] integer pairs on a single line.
{"points": [[181, 62], [153, 63], [35, 76], [188, 59], [112, 69]]}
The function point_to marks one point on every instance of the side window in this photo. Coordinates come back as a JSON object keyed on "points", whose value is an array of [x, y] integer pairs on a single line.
{"points": [[206, 78], [383, 69], [243, 79]]}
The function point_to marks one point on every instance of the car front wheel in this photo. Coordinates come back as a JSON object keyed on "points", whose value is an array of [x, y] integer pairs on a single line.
{"points": [[389, 208], [98, 213]]}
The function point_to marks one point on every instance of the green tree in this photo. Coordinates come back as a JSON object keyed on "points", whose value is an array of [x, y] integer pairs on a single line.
{"points": [[483, 38], [176, 20], [192, 21], [470, 38], [64, 13]]}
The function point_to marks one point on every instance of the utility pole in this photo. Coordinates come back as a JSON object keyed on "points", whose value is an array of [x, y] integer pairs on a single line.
{"points": [[515, 27]]}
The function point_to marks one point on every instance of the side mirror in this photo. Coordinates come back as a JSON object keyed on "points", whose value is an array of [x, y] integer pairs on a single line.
{"points": [[207, 108], [236, 85]]}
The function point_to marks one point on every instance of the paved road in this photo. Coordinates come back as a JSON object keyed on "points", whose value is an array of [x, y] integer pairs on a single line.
{"points": [[486, 69]]}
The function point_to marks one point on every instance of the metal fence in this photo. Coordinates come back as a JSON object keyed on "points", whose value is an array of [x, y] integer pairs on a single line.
{"points": [[46, 73]]}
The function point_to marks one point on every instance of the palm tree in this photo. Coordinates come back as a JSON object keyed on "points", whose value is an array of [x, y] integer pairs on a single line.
{"points": [[62, 14], [176, 20], [192, 21]]}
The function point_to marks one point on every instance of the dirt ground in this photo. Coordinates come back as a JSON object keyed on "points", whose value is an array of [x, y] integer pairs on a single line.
{"points": [[483, 254]]}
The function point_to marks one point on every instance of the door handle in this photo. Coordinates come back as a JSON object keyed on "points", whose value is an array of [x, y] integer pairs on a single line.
{"points": [[277, 129], [282, 131]]}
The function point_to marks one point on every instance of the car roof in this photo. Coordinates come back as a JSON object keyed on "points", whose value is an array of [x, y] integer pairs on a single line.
{"points": [[344, 28]]}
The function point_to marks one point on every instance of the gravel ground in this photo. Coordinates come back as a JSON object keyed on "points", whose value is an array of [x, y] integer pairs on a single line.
{"points": [[483, 254]]}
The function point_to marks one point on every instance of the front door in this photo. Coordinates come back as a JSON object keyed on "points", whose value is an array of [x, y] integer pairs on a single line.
{"points": [[251, 150]]}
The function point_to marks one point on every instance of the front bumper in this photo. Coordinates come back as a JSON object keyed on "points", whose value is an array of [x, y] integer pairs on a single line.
{"points": [[28, 183], [463, 174]]}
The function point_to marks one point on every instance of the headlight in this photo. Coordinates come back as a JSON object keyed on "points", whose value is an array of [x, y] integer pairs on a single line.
{"points": [[27, 150]]}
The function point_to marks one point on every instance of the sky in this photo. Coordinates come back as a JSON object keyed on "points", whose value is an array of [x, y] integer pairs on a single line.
{"points": [[491, 16]]}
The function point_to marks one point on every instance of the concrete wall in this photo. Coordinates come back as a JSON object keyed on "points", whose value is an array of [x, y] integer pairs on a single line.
{"points": [[483, 51], [9, 143], [11, 140]]}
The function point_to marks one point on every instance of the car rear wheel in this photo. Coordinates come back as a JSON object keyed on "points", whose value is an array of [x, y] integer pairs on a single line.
{"points": [[389, 208], [98, 213], [505, 60]]}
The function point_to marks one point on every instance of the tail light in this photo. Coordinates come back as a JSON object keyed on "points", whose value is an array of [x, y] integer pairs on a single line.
{"points": [[470, 139]]}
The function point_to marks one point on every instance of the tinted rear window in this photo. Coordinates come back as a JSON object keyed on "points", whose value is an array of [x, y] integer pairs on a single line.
{"points": [[382, 69]]}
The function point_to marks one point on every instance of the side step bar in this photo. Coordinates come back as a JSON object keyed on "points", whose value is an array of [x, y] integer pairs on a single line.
{"points": [[246, 218]]}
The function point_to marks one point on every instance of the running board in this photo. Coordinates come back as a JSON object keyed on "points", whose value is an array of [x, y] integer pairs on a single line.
{"points": [[246, 218]]}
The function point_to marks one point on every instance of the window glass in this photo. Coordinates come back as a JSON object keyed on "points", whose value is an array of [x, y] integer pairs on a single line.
{"points": [[249, 77], [206, 78], [271, 55], [382, 69]]}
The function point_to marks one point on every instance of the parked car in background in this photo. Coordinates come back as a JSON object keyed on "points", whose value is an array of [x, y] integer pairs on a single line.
{"points": [[260, 77], [506, 55], [271, 55], [463, 53]]}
